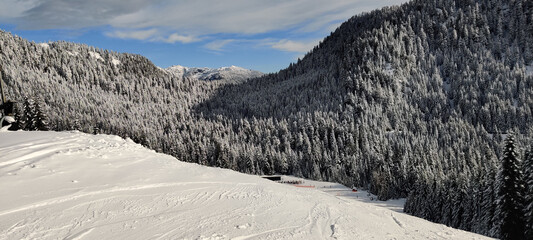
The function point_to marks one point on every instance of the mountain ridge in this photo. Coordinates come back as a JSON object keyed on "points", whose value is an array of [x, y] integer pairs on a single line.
{"points": [[232, 73]]}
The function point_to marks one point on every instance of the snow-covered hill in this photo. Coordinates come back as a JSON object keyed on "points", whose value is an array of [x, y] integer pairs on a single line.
{"points": [[232, 73], [79, 186]]}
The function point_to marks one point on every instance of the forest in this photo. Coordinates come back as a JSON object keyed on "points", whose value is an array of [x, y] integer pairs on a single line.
{"points": [[412, 101]]}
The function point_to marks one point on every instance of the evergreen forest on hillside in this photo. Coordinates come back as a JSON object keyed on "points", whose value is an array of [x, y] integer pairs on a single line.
{"points": [[409, 101]]}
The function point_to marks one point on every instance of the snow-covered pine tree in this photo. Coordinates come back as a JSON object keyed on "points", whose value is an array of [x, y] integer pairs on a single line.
{"points": [[509, 206], [41, 121], [488, 204], [528, 180], [29, 114]]}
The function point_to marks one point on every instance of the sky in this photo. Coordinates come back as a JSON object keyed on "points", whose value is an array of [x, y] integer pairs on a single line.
{"points": [[264, 35]]}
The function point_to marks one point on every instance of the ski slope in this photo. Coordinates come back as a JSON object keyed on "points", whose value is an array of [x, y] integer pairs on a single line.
{"points": [[72, 185]]}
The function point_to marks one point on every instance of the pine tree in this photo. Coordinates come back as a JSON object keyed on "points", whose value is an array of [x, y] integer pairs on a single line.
{"points": [[41, 121], [509, 211], [528, 177], [29, 115]]}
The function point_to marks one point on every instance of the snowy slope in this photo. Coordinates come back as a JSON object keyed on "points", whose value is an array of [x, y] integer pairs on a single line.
{"points": [[80, 186], [232, 73]]}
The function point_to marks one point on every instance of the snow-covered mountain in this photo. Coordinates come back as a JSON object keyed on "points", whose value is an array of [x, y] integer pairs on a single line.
{"points": [[71, 185], [232, 73]]}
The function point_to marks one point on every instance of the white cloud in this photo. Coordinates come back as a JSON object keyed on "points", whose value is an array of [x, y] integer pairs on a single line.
{"points": [[179, 38], [188, 17], [294, 46], [139, 35], [218, 45], [10, 9], [69, 14], [297, 46], [152, 35]]}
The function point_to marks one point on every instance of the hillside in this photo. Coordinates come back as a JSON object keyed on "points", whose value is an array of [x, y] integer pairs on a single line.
{"points": [[409, 101], [80, 186]]}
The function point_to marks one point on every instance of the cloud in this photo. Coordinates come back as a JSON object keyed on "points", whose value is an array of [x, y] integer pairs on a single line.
{"points": [[179, 38], [71, 14], [152, 35], [294, 46], [218, 45], [188, 17], [139, 35], [12, 9], [286, 45]]}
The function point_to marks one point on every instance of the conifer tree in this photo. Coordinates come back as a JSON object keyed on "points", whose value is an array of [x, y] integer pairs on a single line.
{"points": [[509, 211], [29, 115], [528, 177], [41, 121]]}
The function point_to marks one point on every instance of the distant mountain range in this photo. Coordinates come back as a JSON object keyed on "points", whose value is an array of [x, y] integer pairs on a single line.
{"points": [[233, 73]]}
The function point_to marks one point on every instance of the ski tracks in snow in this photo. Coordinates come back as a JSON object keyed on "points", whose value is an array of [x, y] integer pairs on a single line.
{"points": [[78, 186]]}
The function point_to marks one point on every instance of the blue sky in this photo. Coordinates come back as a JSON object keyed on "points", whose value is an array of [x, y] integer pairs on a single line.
{"points": [[256, 34]]}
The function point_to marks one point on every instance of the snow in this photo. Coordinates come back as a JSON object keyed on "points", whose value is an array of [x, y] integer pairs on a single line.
{"points": [[71, 185], [43, 45], [529, 70], [389, 70], [74, 53], [6, 120], [233, 73], [96, 55], [500, 135], [9, 119], [447, 86], [343, 192], [115, 61]]}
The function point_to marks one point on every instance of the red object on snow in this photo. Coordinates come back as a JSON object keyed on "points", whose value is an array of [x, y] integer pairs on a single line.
{"points": [[354, 190]]}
